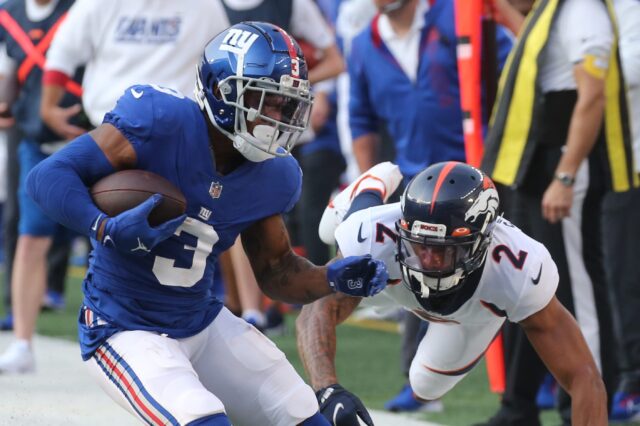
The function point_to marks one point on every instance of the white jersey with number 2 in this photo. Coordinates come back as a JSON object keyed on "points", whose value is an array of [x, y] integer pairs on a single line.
{"points": [[518, 279]]}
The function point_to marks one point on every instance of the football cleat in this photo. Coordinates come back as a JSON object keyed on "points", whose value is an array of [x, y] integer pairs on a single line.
{"points": [[406, 400], [384, 177], [626, 407], [17, 359]]}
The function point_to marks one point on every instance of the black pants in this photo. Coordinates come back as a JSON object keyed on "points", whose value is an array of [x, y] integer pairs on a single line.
{"points": [[321, 176], [524, 369], [621, 231]]}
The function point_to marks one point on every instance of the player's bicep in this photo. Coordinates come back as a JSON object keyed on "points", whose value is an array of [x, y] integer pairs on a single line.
{"points": [[116, 148], [266, 242], [557, 339]]}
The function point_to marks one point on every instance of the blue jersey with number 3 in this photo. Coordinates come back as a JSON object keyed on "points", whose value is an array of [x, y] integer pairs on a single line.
{"points": [[169, 289]]}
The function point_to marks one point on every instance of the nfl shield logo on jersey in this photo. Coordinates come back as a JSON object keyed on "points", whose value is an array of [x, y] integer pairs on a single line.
{"points": [[215, 190]]}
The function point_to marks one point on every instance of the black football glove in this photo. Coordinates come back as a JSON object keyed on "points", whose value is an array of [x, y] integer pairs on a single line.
{"points": [[342, 408]]}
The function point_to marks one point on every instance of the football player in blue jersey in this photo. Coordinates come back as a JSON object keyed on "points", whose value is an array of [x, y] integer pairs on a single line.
{"points": [[150, 331]]}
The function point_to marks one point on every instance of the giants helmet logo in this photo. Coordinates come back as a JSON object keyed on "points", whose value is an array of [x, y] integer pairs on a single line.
{"points": [[238, 41]]}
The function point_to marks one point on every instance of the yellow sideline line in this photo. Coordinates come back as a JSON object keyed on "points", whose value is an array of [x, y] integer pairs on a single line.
{"points": [[377, 325], [369, 324]]}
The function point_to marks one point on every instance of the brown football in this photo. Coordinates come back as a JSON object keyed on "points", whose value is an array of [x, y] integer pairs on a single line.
{"points": [[126, 189]]}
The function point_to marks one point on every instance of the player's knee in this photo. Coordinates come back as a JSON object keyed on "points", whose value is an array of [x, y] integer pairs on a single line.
{"points": [[197, 405], [219, 419], [429, 385], [298, 404]]}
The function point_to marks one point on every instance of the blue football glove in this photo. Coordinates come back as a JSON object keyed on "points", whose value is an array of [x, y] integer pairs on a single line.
{"points": [[342, 408], [358, 275], [130, 232]]}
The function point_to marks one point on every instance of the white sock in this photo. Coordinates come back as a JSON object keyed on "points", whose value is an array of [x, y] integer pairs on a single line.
{"points": [[22, 345]]}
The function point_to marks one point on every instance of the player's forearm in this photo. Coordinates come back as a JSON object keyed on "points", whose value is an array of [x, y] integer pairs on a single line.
{"points": [[59, 183], [293, 279], [316, 338], [588, 399]]}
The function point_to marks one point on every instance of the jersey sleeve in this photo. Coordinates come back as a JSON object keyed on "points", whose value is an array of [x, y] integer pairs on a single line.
{"points": [[520, 277], [541, 281], [153, 119], [133, 115], [354, 235], [293, 182]]}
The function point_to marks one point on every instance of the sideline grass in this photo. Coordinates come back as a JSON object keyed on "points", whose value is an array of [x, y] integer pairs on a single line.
{"points": [[368, 364]]}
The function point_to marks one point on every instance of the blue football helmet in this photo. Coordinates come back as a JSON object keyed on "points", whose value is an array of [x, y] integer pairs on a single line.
{"points": [[448, 215], [254, 72]]}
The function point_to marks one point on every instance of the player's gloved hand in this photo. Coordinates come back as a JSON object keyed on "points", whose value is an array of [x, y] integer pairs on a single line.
{"points": [[358, 275], [130, 232], [342, 408]]}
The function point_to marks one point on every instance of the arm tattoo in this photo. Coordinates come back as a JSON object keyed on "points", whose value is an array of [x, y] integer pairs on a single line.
{"points": [[281, 273], [316, 330]]}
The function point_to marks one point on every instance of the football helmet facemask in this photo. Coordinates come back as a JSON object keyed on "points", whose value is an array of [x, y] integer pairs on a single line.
{"points": [[448, 214], [252, 83]]}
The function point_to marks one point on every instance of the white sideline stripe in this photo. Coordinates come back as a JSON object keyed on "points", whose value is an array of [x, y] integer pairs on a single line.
{"points": [[61, 393]]}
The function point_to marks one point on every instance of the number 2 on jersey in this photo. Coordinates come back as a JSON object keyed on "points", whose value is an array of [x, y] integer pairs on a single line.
{"points": [[516, 260]]}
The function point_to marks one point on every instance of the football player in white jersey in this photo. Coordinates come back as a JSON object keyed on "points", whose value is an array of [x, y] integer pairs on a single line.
{"points": [[454, 262]]}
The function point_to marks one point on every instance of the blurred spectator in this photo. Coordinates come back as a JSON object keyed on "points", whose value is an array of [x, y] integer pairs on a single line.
{"points": [[546, 142], [621, 228], [27, 30], [120, 43]]}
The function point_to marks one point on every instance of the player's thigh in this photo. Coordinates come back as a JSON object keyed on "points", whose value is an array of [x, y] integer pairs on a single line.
{"points": [[251, 376], [151, 377], [446, 354]]}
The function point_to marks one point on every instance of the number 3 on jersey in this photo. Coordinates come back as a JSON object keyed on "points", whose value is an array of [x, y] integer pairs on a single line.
{"points": [[170, 275]]}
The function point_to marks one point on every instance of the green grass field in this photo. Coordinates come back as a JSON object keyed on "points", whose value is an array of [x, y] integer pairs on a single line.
{"points": [[368, 365]]}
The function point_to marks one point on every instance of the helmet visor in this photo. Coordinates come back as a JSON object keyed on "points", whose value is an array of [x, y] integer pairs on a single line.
{"points": [[277, 108], [435, 259]]}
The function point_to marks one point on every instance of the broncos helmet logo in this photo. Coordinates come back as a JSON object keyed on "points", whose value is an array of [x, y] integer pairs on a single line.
{"points": [[486, 203]]}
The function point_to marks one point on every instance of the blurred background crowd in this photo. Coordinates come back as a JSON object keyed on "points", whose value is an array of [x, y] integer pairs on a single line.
{"points": [[393, 80]]}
